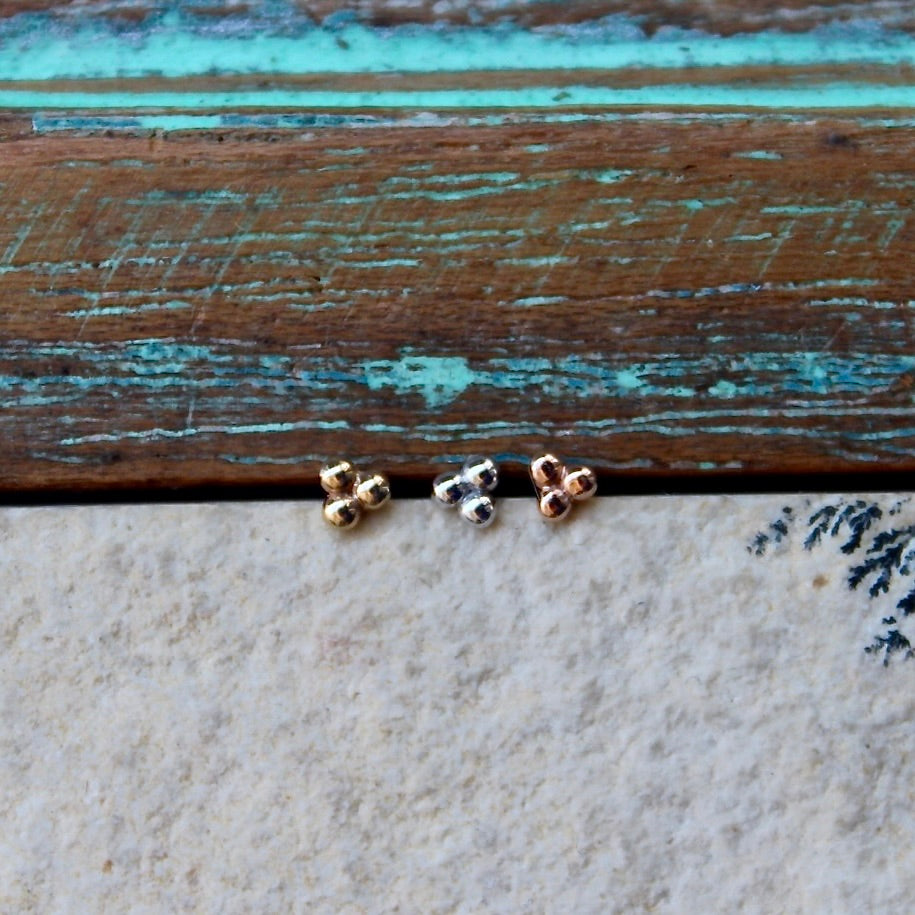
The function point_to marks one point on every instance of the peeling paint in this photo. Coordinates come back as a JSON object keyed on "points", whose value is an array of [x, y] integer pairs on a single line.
{"points": [[758, 154], [439, 379], [839, 95], [174, 45]]}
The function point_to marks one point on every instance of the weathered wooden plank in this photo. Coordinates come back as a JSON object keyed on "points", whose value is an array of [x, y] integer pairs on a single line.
{"points": [[235, 239], [654, 292], [198, 91], [175, 38], [723, 17]]}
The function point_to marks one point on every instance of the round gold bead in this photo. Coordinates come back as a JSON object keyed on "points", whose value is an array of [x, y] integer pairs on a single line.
{"points": [[342, 511], [555, 504], [580, 484], [546, 471], [339, 476], [373, 491]]}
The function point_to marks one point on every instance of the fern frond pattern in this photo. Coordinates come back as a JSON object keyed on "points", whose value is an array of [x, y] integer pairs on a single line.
{"points": [[881, 557]]}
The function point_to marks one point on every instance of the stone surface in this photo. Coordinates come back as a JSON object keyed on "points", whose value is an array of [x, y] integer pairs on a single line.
{"points": [[233, 708]]}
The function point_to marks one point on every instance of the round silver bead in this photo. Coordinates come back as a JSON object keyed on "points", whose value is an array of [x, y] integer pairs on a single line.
{"points": [[448, 489], [478, 509], [481, 473]]}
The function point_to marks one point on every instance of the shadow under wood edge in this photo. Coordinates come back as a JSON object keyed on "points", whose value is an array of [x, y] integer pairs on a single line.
{"points": [[513, 484]]}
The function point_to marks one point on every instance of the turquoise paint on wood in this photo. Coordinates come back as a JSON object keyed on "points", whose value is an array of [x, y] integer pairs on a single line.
{"points": [[437, 379], [831, 96], [177, 390], [51, 122], [155, 366], [178, 45]]}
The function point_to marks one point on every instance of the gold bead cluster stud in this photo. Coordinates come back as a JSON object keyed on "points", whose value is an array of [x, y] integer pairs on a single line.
{"points": [[469, 489], [350, 493], [559, 486]]}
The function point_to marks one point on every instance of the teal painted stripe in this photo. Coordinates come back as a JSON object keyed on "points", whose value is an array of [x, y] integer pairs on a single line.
{"points": [[831, 96], [169, 372], [48, 122], [44, 122], [671, 424], [120, 310], [175, 45]]}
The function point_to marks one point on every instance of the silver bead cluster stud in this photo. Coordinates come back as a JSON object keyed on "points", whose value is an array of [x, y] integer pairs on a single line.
{"points": [[469, 490], [559, 486], [350, 493]]}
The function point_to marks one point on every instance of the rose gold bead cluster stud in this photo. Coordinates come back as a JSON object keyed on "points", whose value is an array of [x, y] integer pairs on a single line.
{"points": [[559, 486], [350, 493]]}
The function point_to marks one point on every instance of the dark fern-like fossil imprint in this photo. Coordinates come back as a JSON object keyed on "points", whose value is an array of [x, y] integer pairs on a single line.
{"points": [[879, 554]]}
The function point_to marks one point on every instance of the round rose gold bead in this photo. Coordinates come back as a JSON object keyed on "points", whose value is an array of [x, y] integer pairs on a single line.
{"points": [[546, 470], [555, 504], [580, 484]]}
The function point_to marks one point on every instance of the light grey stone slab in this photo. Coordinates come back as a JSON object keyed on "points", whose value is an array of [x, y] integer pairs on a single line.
{"points": [[231, 708]]}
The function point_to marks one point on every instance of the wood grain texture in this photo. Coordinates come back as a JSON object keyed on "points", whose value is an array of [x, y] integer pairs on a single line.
{"points": [[185, 39], [198, 91], [651, 293], [666, 238], [722, 17]]}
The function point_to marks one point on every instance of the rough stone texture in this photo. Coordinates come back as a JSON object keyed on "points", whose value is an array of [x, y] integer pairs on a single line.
{"points": [[230, 708]]}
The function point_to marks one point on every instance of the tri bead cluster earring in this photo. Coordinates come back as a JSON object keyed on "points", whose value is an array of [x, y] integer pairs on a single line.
{"points": [[559, 486], [469, 490], [350, 493]]}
